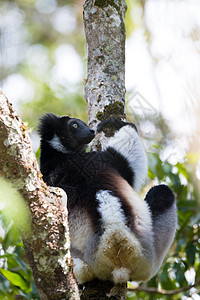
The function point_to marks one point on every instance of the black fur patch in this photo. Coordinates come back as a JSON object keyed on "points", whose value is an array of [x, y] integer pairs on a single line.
{"points": [[119, 163], [49, 124], [159, 198]]}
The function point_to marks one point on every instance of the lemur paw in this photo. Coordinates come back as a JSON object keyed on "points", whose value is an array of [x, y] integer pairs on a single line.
{"points": [[115, 123]]}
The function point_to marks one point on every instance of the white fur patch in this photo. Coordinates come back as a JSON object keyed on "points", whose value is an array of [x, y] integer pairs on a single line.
{"points": [[120, 255], [82, 271], [127, 142], [57, 145], [121, 275], [110, 209]]}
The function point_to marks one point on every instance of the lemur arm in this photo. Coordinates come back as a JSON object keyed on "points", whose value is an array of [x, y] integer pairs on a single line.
{"points": [[126, 152]]}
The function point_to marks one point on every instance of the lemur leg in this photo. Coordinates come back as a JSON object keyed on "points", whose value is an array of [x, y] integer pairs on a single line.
{"points": [[163, 209]]}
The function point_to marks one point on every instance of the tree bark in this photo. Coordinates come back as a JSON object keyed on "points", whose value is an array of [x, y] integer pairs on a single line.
{"points": [[105, 36], [103, 290], [47, 245], [105, 91]]}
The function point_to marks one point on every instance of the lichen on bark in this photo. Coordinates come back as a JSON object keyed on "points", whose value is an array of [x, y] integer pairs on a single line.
{"points": [[105, 36]]}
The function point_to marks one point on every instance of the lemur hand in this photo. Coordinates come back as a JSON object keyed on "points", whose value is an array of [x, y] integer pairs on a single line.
{"points": [[115, 123]]}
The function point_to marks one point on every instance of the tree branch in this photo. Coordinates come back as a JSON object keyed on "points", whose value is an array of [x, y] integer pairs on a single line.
{"points": [[162, 291], [47, 246], [103, 290]]}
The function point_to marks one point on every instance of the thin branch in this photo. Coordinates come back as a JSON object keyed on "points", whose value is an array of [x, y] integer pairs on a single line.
{"points": [[162, 291]]}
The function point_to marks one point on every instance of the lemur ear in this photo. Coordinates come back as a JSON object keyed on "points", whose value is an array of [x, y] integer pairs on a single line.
{"points": [[48, 125], [66, 118]]}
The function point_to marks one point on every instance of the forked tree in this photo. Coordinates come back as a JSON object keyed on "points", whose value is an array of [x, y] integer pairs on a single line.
{"points": [[47, 244]]}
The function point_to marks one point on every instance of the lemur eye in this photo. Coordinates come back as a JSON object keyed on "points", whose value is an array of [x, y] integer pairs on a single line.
{"points": [[75, 125]]}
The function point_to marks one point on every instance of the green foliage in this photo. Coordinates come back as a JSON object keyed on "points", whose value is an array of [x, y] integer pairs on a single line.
{"points": [[73, 106], [14, 207], [184, 254], [15, 275]]}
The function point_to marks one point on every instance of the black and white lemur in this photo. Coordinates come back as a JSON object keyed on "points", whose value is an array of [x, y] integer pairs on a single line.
{"points": [[114, 234]]}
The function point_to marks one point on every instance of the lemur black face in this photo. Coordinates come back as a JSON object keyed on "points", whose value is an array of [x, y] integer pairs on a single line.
{"points": [[65, 134], [80, 131], [74, 134]]}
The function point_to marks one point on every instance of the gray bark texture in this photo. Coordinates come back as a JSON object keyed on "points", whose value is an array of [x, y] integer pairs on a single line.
{"points": [[105, 36], [47, 245], [105, 92]]}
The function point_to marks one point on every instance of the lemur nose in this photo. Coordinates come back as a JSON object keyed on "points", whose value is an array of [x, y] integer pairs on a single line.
{"points": [[92, 131]]}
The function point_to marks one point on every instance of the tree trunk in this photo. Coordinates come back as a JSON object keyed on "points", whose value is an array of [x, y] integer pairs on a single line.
{"points": [[47, 245], [105, 91], [105, 36]]}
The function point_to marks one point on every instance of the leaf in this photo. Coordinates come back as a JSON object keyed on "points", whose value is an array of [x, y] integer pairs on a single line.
{"points": [[37, 154], [155, 165], [191, 252], [179, 271], [15, 279], [19, 250], [153, 282], [167, 168], [182, 169], [151, 175], [4, 284], [197, 273], [175, 181], [166, 281], [11, 238]]}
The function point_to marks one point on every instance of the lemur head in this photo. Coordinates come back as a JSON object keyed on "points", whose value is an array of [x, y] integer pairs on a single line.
{"points": [[65, 134]]}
